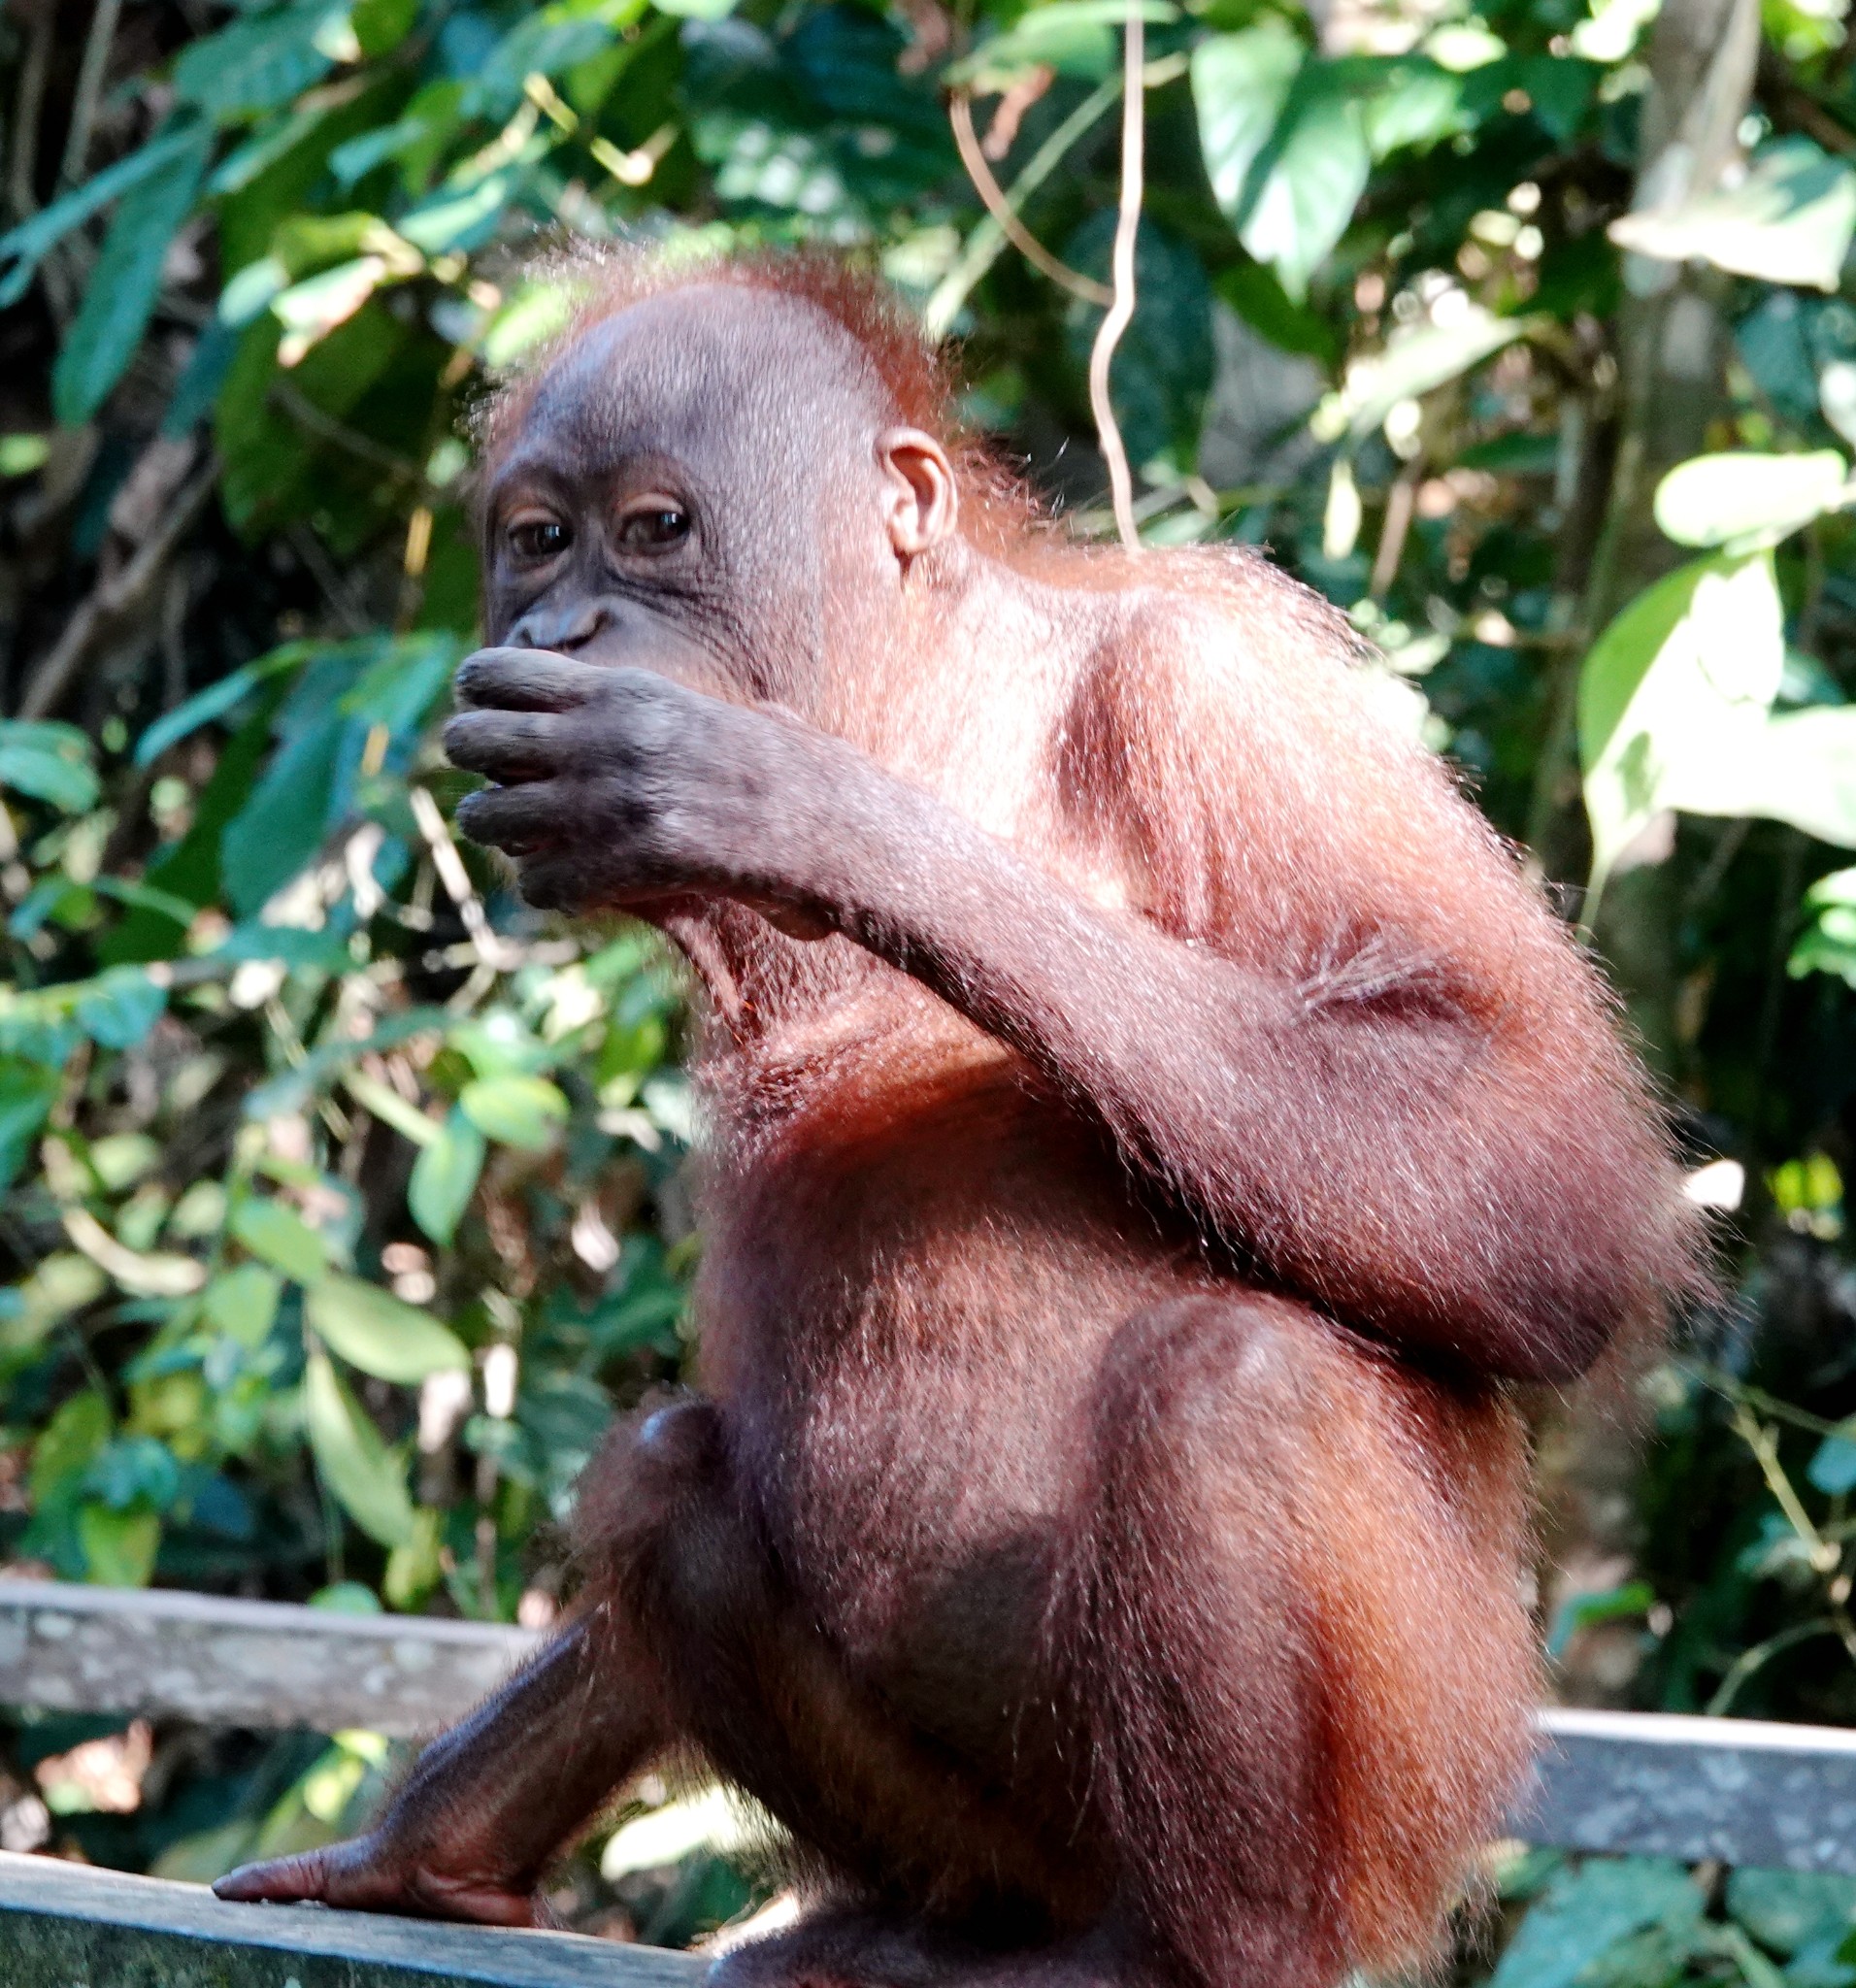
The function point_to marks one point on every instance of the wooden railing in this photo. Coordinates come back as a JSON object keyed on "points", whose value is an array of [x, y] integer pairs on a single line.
{"points": [[1732, 1790]]}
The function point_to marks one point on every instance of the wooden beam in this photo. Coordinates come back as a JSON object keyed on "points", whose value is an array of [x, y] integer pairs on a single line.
{"points": [[68, 1924], [1736, 1790], [171, 1655]]}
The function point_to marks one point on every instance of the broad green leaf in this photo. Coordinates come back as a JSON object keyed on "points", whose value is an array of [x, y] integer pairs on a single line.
{"points": [[134, 1471], [119, 297], [381, 25], [27, 1091], [75, 1434], [119, 1547], [258, 64], [25, 245], [347, 1597], [1828, 943], [445, 1177], [1788, 1909], [415, 1568], [50, 762], [1413, 363], [525, 1112], [243, 1301], [120, 1008], [1740, 498], [1673, 696], [1800, 768], [1789, 220], [282, 1237], [362, 1475], [1304, 188], [1239, 83], [216, 700], [1585, 1914], [380, 1334]]}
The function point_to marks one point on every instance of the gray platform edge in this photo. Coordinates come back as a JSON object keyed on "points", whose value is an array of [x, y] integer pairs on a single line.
{"points": [[1735, 1789], [69, 1926]]}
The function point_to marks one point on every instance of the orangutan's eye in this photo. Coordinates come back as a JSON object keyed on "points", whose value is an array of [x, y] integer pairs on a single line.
{"points": [[538, 539], [653, 525]]}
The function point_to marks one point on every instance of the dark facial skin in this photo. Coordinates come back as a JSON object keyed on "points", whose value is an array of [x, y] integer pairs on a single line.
{"points": [[1100, 1542]]}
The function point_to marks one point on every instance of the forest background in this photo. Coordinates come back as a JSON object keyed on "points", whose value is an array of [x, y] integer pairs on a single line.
{"points": [[341, 1194]]}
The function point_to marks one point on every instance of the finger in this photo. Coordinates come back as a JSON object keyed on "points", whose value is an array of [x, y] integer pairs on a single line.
{"points": [[505, 745], [558, 883], [516, 819], [284, 1880], [525, 679]]}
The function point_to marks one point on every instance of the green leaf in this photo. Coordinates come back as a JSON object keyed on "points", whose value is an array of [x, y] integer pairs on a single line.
{"points": [[1800, 768], [362, 1475], [445, 1177], [381, 1334], [1788, 222], [120, 294], [1788, 1909], [26, 244], [256, 65], [1413, 363], [282, 1237], [381, 25], [1584, 1914], [1304, 188], [50, 762], [1673, 697], [217, 699], [67, 1444], [523, 1111], [1239, 86], [120, 1008], [119, 1547], [1828, 943], [243, 1301], [1741, 500], [347, 1597], [27, 1091]]}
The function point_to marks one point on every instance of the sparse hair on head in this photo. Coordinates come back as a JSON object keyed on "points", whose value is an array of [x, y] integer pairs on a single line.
{"points": [[997, 508]]}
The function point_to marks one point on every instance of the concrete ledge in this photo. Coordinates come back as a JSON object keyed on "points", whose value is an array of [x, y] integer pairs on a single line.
{"points": [[168, 1655], [1738, 1790], [69, 1926], [1743, 1791]]}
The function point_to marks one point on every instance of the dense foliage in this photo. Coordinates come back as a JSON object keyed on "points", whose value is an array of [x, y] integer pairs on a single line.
{"points": [[342, 1201]]}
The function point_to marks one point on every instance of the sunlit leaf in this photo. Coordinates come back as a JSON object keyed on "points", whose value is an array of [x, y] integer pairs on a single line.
{"points": [[1788, 222], [119, 1547], [380, 1334], [1673, 695], [120, 1008], [243, 1301], [49, 762], [280, 1237], [1740, 498], [445, 1177], [361, 1473], [524, 1112]]}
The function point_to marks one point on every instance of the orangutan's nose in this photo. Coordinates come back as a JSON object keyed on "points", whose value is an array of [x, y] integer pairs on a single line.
{"points": [[560, 629]]}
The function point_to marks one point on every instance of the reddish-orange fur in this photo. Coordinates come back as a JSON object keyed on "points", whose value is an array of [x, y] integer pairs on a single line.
{"points": [[1101, 1542]]}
